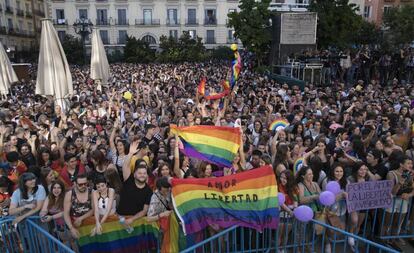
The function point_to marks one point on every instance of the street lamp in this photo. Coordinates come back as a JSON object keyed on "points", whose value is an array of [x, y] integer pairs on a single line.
{"points": [[83, 27]]}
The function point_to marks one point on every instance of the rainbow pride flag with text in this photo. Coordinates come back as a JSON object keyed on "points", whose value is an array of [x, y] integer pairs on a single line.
{"points": [[247, 199]]}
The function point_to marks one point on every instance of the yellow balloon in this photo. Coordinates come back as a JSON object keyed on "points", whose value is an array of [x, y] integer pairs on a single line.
{"points": [[128, 95], [233, 47]]}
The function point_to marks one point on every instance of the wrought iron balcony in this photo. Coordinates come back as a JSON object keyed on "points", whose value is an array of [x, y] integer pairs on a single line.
{"points": [[173, 22], [60, 22], [147, 22], [191, 22], [210, 40], [102, 22], [9, 10], [19, 12], [122, 22], [210, 21]]}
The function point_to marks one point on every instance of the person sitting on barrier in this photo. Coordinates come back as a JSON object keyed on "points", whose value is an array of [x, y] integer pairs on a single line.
{"points": [[77, 205], [403, 191], [104, 203], [28, 199], [359, 174], [135, 194]]}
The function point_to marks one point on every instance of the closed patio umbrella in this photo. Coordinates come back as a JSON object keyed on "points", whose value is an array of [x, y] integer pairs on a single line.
{"points": [[53, 73], [7, 74], [99, 61]]}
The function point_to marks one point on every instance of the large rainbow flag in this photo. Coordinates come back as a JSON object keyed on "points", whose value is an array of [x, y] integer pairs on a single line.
{"points": [[216, 145], [116, 239], [247, 199]]}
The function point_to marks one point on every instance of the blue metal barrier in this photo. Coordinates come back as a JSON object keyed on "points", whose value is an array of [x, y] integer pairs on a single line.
{"points": [[29, 235], [291, 236]]}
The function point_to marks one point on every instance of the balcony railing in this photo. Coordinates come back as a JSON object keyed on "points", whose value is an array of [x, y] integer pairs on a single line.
{"points": [[210, 21], [173, 22], [60, 21], [9, 10], [122, 22], [210, 40], [150, 22], [12, 31], [29, 14], [19, 12], [3, 30], [191, 22], [288, 7], [102, 22]]}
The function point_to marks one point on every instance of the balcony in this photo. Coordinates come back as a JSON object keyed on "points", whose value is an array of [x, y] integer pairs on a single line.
{"points": [[147, 22], [9, 10], [191, 22], [12, 31], [102, 22], [19, 12], [3, 30], [210, 40], [29, 14], [122, 22], [289, 7], [60, 22], [39, 13], [172, 22], [210, 21]]}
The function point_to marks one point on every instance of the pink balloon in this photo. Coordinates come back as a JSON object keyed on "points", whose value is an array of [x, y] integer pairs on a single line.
{"points": [[327, 198], [303, 213]]}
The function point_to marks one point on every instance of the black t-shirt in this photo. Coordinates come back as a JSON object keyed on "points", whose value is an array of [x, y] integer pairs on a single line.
{"points": [[379, 169], [132, 198]]}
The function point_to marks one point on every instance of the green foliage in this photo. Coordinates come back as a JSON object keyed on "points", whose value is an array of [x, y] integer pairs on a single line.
{"points": [[252, 27], [138, 51], [367, 34], [74, 50], [115, 56], [183, 49], [400, 24], [221, 53]]}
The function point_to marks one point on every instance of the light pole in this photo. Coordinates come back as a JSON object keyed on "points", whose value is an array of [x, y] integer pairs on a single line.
{"points": [[83, 27]]}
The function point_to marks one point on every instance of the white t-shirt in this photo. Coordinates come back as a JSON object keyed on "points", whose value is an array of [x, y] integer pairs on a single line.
{"points": [[17, 199]]}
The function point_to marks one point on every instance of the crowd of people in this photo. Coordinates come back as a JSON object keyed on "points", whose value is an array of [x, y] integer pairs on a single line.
{"points": [[109, 151]]}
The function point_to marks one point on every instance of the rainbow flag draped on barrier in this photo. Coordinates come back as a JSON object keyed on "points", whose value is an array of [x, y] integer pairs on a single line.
{"points": [[216, 145], [116, 239], [247, 199]]}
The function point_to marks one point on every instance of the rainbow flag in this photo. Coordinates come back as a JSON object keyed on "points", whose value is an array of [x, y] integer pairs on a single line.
{"points": [[170, 228], [116, 239], [278, 124], [247, 199], [297, 165], [216, 145], [236, 66], [202, 87]]}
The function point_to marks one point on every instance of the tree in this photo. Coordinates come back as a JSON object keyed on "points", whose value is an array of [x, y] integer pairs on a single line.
{"points": [[183, 49], [337, 22], [367, 34], [138, 51], [252, 26], [73, 49], [400, 24]]}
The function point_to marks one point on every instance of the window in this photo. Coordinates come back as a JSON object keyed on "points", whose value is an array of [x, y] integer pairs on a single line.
{"points": [[18, 5], [83, 14], [30, 27], [367, 11], [210, 37], [122, 36], [172, 17], [61, 35], [149, 39], [192, 16], [104, 36], [210, 17], [10, 23], [147, 16], [8, 3], [21, 26], [174, 34], [387, 9], [192, 34], [60, 16], [27, 7], [122, 20], [102, 17]]}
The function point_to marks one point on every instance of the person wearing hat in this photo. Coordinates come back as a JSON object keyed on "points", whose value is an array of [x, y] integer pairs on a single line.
{"points": [[28, 199]]}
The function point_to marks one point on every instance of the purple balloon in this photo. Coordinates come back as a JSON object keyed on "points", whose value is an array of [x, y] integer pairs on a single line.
{"points": [[327, 198], [281, 198], [333, 187], [303, 213]]}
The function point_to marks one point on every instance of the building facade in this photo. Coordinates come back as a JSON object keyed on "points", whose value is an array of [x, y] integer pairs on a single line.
{"points": [[20, 23], [147, 19], [374, 9]]}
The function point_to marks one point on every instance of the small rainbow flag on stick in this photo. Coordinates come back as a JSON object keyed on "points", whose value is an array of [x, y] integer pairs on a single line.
{"points": [[278, 124], [297, 165], [247, 199], [216, 145]]}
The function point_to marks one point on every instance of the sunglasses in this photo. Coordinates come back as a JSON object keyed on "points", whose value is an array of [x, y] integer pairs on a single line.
{"points": [[82, 184]]}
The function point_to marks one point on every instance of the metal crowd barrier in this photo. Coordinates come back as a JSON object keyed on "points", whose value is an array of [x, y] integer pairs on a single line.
{"points": [[291, 236], [30, 236]]}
